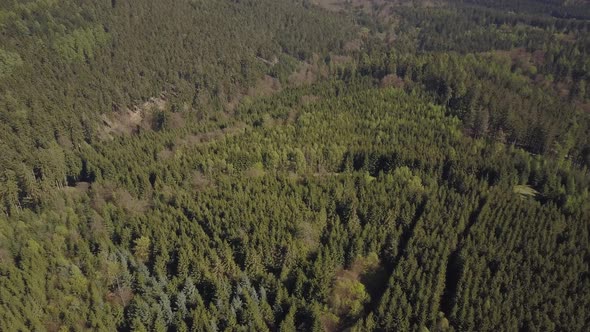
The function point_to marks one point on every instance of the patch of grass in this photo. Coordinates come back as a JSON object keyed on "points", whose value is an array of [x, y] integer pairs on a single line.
{"points": [[525, 191]]}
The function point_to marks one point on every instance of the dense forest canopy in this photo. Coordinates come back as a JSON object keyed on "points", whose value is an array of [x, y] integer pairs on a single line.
{"points": [[294, 165]]}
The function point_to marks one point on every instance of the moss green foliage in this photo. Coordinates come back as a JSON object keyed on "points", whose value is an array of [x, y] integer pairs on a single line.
{"points": [[8, 62], [431, 184], [349, 297], [81, 43]]}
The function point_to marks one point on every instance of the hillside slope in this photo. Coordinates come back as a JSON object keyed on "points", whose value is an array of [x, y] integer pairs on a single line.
{"points": [[273, 165]]}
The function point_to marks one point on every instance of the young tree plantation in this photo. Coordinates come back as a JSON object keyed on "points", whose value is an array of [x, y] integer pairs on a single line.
{"points": [[294, 165]]}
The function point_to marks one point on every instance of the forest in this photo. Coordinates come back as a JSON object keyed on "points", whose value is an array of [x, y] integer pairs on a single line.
{"points": [[294, 165]]}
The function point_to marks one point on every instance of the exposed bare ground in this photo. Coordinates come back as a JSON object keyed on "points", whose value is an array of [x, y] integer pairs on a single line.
{"points": [[121, 123], [128, 121], [200, 181], [374, 6], [521, 56], [567, 37], [110, 193], [254, 172], [304, 75], [5, 256], [309, 72], [79, 189], [340, 59], [165, 154], [353, 45], [562, 89], [333, 5], [292, 117], [176, 120], [359, 267], [308, 99], [266, 86], [120, 296], [392, 80], [272, 62]]}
